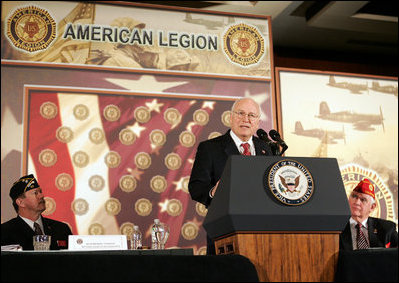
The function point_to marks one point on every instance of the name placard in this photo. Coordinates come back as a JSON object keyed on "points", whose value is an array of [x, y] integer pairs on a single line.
{"points": [[97, 242]]}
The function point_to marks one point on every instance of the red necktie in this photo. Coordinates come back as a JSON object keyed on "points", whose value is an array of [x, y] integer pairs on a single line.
{"points": [[246, 148], [361, 238]]}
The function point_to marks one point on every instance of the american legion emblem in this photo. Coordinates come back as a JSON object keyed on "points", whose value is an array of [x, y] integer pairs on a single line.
{"points": [[31, 29], [290, 182], [243, 44]]}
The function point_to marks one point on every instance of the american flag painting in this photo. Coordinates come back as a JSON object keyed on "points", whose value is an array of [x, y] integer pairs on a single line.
{"points": [[108, 161]]}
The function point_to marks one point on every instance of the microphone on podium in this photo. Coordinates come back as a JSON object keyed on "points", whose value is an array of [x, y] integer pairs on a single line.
{"points": [[273, 146], [276, 136]]}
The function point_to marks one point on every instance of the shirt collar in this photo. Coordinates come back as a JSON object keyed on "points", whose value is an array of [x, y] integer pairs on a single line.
{"points": [[354, 222], [31, 223], [238, 141]]}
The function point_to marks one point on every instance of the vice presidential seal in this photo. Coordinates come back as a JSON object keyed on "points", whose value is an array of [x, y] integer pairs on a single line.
{"points": [[243, 44], [290, 182], [31, 29]]}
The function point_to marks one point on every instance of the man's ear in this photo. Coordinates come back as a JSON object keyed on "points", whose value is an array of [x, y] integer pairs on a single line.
{"points": [[373, 206], [19, 202]]}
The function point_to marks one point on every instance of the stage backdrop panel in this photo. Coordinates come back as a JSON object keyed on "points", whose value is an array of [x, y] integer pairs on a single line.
{"points": [[137, 37], [349, 117]]}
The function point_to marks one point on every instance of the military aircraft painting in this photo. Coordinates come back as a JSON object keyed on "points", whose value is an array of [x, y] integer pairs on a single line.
{"points": [[325, 136], [361, 122], [390, 89], [353, 88], [211, 25]]}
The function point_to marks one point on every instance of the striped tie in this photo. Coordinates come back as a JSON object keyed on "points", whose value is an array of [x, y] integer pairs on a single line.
{"points": [[246, 148], [38, 230], [361, 238]]}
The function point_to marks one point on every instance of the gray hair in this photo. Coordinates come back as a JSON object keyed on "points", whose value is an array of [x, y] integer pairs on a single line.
{"points": [[245, 98]]}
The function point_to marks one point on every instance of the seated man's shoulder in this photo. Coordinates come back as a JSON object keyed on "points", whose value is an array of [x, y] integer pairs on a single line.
{"points": [[384, 222]]}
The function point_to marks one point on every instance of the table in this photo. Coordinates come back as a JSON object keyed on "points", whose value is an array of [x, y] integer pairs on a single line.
{"points": [[371, 265], [171, 265]]}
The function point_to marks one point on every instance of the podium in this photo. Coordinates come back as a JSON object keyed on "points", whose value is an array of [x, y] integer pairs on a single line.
{"points": [[286, 242]]}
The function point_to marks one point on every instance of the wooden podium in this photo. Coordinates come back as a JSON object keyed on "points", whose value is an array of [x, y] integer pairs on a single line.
{"points": [[285, 243]]}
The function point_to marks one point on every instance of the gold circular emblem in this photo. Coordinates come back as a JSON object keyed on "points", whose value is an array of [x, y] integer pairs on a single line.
{"points": [[189, 231], [47, 157], [80, 206], [187, 139], [112, 159], [185, 182], [158, 184], [127, 183], [243, 44], [96, 135], [226, 118], [127, 137], [143, 207], [174, 207], [64, 134], [127, 228], [173, 161], [142, 160], [157, 137], [352, 174], [201, 209], [96, 229], [112, 113], [31, 29], [50, 206], [80, 159], [96, 183], [201, 117], [172, 116], [214, 135], [201, 251], [64, 182], [113, 206], [142, 114], [81, 112], [48, 110]]}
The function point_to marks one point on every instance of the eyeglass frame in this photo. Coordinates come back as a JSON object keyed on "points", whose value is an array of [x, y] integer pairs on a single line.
{"points": [[242, 114]]}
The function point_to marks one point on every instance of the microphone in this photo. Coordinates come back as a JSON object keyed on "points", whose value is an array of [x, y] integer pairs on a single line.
{"points": [[273, 146], [276, 136]]}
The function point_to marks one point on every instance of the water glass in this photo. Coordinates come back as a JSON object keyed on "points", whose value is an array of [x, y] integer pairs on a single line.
{"points": [[41, 242]]}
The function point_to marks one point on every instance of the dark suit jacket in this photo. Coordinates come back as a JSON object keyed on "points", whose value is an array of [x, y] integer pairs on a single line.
{"points": [[380, 231], [209, 164], [17, 231]]}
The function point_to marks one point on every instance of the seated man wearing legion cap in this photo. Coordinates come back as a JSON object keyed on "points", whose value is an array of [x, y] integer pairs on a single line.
{"points": [[28, 201], [363, 231]]}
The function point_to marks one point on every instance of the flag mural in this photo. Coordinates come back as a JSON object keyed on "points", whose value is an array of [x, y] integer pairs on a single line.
{"points": [[107, 162]]}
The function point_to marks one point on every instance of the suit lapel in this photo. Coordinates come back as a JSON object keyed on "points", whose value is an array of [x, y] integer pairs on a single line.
{"points": [[230, 147], [347, 238], [373, 233]]}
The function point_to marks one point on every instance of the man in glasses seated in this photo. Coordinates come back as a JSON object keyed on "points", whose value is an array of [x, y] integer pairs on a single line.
{"points": [[362, 230]]}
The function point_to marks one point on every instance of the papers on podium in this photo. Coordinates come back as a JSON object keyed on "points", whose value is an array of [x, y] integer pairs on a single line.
{"points": [[97, 242]]}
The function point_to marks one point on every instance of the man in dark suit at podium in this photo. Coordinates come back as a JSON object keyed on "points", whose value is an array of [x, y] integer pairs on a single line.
{"points": [[28, 201], [212, 154], [362, 231]]}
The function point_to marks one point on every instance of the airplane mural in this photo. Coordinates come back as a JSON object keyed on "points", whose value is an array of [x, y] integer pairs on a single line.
{"points": [[361, 122], [390, 89], [211, 25], [325, 136], [353, 88]]}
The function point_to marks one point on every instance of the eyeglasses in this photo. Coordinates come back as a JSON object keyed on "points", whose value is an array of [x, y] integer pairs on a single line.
{"points": [[362, 199], [251, 116]]}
